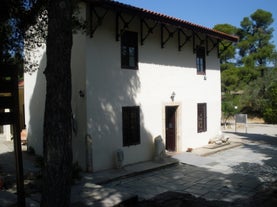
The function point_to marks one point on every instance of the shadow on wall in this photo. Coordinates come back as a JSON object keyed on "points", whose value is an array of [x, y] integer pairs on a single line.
{"points": [[37, 96], [109, 88], [36, 108], [153, 53]]}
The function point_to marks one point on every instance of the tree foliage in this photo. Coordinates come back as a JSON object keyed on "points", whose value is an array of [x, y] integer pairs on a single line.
{"points": [[247, 68], [229, 52], [34, 39], [230, 106], [16, 17], [255, 48], [27, 20], [270, 107]]}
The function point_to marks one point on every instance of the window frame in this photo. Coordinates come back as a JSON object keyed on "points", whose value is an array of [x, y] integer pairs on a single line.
{"points": [[201, 117], [201, 60], [129, 40], [130, 125]]}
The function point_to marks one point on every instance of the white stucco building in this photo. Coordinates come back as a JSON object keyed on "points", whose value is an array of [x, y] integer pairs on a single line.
{"points": [[137, 75]]}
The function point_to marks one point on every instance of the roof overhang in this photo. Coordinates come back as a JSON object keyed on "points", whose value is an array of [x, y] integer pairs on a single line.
{"points": [[161, 18]]}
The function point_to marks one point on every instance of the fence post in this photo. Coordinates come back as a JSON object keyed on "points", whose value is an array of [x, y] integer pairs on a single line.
{"points": [[9, 100]]}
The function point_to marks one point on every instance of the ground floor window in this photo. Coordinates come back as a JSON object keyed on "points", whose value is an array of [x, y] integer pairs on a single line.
{"points": [[131, 125], [201, 117]]}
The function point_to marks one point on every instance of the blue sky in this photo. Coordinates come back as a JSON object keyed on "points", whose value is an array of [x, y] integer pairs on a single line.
{"points": [[210, 12]]}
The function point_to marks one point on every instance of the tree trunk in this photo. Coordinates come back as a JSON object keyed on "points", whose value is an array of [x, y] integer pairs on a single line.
{"points": [[57, 138]]}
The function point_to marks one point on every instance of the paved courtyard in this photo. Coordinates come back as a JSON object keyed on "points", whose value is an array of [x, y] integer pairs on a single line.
{"points": [[228, 175]]}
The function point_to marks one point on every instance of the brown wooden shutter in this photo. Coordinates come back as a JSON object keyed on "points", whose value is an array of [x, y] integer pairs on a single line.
{"points": [[131, 125], [201, 117]]}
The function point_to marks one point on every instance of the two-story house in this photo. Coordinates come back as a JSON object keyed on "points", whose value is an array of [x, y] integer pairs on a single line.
{"points": [[137, 75]]}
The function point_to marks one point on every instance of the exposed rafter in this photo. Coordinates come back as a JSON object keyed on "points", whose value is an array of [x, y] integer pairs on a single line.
{"points": [[182, 41], [201, 41], [162, 19], [214, 44], [96, 18], [225, 47], [125, 14], [126, 23], [170, 34], [150, 29]]}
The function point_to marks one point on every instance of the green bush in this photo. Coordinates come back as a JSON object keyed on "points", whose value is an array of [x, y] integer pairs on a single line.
{"points": [[270, 107], [270, 116]]}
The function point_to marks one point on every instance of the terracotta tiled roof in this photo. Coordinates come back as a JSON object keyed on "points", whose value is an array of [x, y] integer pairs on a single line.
{"points": [[162, 18]]}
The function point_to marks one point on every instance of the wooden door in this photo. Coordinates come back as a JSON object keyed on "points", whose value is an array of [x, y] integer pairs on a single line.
{"points": [[170, 124]]}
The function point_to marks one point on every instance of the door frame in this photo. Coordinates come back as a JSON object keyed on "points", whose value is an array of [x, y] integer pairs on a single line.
{"points": [[177, 124]]}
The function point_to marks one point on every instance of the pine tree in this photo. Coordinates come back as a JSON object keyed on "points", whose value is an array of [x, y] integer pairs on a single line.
{"points": [[255, 48], [57, 136]]}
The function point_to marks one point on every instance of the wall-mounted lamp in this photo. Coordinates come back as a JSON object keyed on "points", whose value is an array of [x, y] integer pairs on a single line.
{"points": [[172, 96], [82, 93]]}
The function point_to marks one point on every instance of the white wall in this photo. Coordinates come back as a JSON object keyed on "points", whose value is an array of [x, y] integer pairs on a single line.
{"points": [[34, 97], [78, 76], [96, 71], [35, 91], [161, 72]]}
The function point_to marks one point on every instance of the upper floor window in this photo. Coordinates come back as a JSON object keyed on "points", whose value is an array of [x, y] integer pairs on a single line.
{"points": [[200, 60], [131, 125], [201, 117], [129, 50]]}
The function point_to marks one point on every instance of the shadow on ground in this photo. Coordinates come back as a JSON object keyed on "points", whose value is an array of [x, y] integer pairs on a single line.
{"points": [[249, 183]]}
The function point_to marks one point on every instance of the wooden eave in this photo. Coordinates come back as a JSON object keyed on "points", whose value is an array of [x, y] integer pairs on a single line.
{"points": [[161, 18]]}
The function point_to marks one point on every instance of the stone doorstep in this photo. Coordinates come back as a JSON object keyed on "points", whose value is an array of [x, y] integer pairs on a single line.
{"points": [[212, 149], [106, 176], [214, 146]]}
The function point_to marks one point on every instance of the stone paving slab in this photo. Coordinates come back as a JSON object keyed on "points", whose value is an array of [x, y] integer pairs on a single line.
{"points": [[85, 193], [206, 184], [97, 196], [8, 199], [106, 176], [227, 175]]}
